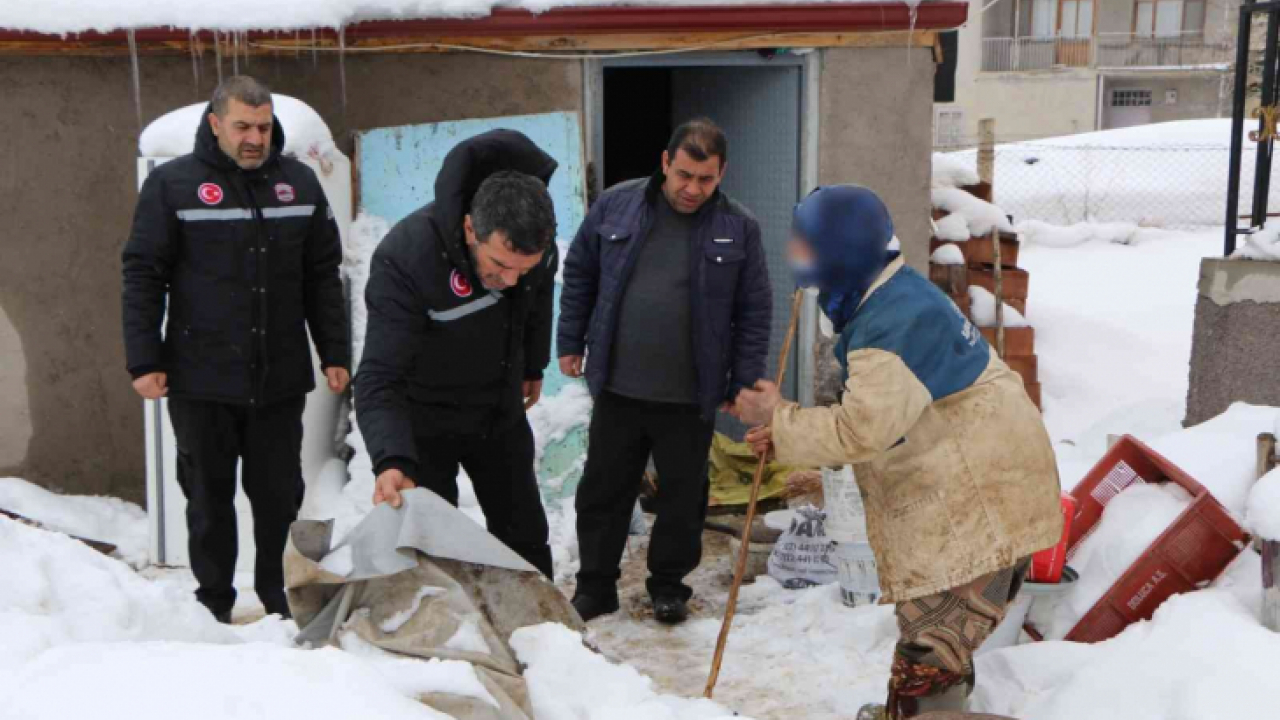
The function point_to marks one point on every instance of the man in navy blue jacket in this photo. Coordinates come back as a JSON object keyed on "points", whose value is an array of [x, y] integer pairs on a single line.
{"points": [[666, 309]]}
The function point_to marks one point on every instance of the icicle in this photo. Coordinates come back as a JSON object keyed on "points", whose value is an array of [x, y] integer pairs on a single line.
{"points": [[315, 53], [217, 51], [244, 48], [342, 66], [912, 8], [235, 53], [194, 41], [137, 82], [297, 44]]}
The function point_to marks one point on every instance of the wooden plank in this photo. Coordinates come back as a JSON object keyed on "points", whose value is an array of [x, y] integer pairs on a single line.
{"points": [[288, 45], [1270, 549]]}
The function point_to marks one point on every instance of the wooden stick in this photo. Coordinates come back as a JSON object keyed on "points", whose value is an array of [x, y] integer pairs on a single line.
{"points": [[744, 549], [999, 286]]}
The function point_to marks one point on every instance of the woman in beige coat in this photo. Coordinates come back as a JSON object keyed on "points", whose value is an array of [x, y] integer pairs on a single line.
{"points": [[953, 461]]}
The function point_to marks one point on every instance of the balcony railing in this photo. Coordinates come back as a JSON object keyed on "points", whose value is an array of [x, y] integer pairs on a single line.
{"points": [[1107, 50], [1124, 50]]}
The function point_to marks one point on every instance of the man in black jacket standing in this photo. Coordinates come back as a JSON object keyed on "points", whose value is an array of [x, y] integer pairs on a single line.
{"points": [[241, 242], [460, 299], [666, 301]]}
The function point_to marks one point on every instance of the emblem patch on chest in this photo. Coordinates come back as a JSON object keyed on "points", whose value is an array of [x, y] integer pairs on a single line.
{"points": [[209, 194], [460, 285], [284, 192]]}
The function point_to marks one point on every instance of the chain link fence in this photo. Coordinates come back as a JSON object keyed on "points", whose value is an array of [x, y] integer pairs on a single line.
{"points": [[1175, 187]]}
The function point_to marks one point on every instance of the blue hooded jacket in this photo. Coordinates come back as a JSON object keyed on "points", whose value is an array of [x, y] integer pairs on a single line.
{"points": [[850, 231]]}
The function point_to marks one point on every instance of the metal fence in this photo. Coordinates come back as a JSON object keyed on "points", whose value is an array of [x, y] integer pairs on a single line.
{"points": [[1106, 50], [1177, 187]]}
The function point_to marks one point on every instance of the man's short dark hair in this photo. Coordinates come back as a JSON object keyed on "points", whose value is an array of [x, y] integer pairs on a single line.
{"points": [[243, 88], [519, 206], [701, 139]]}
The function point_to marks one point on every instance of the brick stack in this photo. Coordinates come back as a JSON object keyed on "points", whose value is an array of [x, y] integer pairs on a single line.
{"points": [[979, 270]]}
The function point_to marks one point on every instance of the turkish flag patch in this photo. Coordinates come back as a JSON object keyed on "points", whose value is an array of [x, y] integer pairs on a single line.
{"points": [[209, 194], [284, 192], [460, 285]]}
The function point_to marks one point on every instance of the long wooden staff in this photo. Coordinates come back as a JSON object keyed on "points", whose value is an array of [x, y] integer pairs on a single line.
{"points": [[744, 548]]}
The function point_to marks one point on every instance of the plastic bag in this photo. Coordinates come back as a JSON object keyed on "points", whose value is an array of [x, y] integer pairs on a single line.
{"points": [[803, 555]]}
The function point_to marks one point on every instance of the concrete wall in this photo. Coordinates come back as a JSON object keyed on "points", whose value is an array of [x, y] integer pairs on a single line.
{"points": [[1235, 349], [876, 130], [70, 419], [1198, 96], [1032, 105]]}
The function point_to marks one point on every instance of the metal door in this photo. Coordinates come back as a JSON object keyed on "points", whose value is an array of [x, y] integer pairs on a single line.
{"points": [[759, 109]]}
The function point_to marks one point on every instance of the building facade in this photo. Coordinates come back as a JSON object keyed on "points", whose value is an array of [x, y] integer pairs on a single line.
{"points": [[1043, 68]]}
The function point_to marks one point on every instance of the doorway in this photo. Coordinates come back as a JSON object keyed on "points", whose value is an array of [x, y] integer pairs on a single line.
{"points": [[758, 102]]}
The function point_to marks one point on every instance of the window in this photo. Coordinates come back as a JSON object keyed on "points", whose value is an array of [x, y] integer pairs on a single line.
{"points": [[1077, 18], [1130, 98], [948, 128], [1168, 18], [1042, 19]]}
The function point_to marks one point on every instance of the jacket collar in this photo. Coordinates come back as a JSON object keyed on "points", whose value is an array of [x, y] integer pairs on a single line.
{"points": [[885, 276]]}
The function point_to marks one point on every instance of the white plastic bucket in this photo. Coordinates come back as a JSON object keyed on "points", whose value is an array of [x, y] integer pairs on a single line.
{"points": [[846, 517], [857, 572], [1009, 630]]}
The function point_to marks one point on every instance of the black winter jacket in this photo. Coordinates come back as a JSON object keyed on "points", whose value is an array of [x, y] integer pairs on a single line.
{"points": [[731, 295], [442, 355], [248, 260]]}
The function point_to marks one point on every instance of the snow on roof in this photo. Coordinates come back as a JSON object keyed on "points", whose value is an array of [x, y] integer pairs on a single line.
{"points": [[174, 133], [60, 17], [1214, 132]]}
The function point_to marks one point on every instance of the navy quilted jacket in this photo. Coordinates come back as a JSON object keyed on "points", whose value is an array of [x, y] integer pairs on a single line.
{"points": [[732, 299]]}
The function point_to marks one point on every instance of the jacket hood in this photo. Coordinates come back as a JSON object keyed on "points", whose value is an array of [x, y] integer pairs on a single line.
{"points": [[207, 143], [466, 166], [849, 229]]}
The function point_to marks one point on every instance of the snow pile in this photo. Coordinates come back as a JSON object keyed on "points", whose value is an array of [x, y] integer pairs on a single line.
{"points": [[980, 216], [954, 228], [1113, 335], [595, 689], [366, 234], [982, 308], [305, 132], [1261, 245], [56, 590], [1130, 523], [109, 519], [948, 254], [1264, 507], [59, 17], [1042, 233], [1203, 655], [951, 171]]}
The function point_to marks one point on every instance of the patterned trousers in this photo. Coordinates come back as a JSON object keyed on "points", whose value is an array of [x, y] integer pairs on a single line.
{"points": [[938, 635]]}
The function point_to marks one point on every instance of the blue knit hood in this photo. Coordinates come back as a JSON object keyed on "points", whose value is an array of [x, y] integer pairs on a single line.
{"points": [[850, 230]]}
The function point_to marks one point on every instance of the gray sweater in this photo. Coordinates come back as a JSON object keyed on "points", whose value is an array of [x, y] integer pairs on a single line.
{"points": [[652, 355]]}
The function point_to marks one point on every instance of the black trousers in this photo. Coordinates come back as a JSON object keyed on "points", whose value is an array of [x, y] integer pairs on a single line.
{"points": [[624, 432], [212, 438], [500, 465]]}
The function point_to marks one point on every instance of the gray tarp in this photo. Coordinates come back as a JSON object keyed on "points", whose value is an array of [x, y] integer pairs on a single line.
{"points": [[425, 581]]}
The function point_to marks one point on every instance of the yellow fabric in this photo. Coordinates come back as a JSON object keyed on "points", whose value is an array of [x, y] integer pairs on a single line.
{"points": [[733, 466], [954, 489]]}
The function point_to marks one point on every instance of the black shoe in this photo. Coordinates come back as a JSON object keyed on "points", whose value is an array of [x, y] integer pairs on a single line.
{"points": [[670, 610], [277, 606], [590, 607], [223, 616]]}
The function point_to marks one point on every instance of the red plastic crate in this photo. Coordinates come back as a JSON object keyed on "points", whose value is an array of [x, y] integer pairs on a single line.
{"points": [[1189, 555]]}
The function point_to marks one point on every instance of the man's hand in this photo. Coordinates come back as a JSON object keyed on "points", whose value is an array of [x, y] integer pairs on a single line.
{"points": [[389, 486], [755, 407], [152, 386], [571, 366], [532, 392], [761, 441], [339, 378]]}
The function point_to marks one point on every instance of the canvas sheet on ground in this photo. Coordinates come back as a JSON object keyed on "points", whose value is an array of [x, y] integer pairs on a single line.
{"points": [[425, 581], [397, 171]]}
